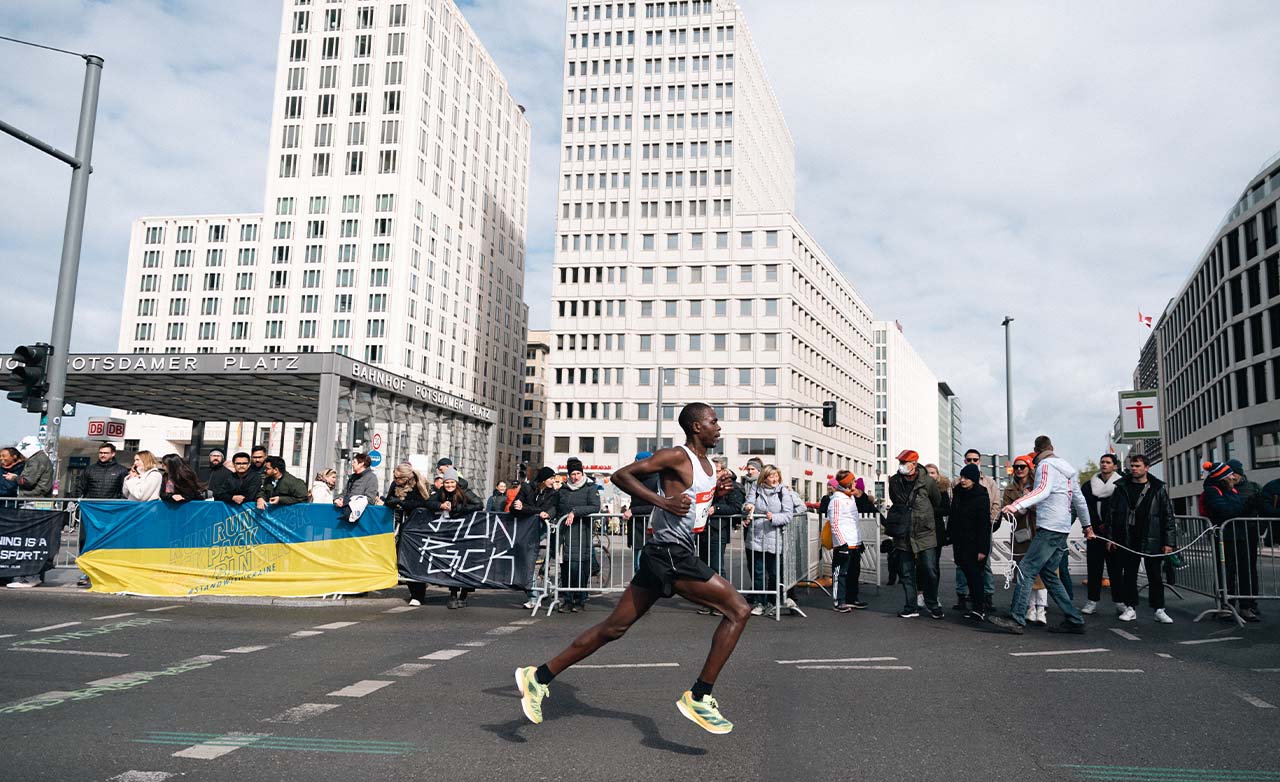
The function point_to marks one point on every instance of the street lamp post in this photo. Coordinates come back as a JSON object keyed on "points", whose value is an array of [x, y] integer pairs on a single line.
{"points": [[1008, 384]]}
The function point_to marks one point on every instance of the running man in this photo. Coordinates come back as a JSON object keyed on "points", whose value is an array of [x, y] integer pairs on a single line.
{"points": [[669, 564]]}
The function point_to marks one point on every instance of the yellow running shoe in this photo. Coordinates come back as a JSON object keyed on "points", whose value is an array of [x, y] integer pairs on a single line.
{"points": [[705, 713], [531, 693]]}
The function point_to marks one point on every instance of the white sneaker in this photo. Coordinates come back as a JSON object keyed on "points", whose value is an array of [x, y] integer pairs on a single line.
{"points": [[1040, 616], [23, 582], [1089, 608], [920, 601], [1162, 617], [415, 602], [1121, 608], [757, 610], [1129, 614], [790, 604], [530, 604]]}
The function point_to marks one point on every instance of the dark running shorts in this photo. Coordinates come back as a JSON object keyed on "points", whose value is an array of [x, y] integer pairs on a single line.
{"points": [[662, 564]]}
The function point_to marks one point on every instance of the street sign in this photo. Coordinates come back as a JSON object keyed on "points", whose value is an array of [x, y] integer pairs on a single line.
{"points": [[1139, 415], [377, 441], [107, 428], [78, 462], [375, 458]]}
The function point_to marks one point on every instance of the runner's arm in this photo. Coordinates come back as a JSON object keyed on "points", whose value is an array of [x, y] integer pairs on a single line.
{"points": [[628, 480]]}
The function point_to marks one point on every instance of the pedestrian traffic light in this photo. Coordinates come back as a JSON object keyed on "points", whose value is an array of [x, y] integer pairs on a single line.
{"points": [[360, 432], [33, 373], [828, 414]]}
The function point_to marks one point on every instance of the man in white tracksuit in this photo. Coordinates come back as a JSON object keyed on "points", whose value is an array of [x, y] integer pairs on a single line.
{"points": [[1057, 498]]}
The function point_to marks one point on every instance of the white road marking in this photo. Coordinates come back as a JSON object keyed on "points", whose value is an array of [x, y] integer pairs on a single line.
{"points": [[632, 665], [1125, 635], [409, 669], [525, 622], [141, 776], [1212, 640], [302, 713], [121, 616], [853, 667], [444, 654], [839, 660], [1266, 670], [401, 609], [7, 635], [334, 625], [220, 746], [246, 649], [163, 608], [69, 651], [305, 633], [124, 677], [202, 658], [475, 644], [1093, 670], [506, 630], [1060, 651], [360, 689], [1165, 656], [1254, 701], [53, 627]]}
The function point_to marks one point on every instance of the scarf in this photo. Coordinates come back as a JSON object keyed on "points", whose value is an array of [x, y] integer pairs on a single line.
{"points": [[1104, 489], [578, 485]]}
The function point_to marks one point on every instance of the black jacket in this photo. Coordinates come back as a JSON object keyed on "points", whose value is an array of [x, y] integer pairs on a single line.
{"points": [[250, 486], [103, 481], [969, 522], [583, 502], [1122, 516], [404, 508], [726, 510], [469, 503], [535, 500], [641, 511]]}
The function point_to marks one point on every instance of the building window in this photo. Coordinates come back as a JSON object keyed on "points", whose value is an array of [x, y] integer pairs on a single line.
{"points": [[1265, 439], [757, 446]]}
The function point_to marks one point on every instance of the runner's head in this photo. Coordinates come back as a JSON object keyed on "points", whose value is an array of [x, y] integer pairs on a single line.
{"points": [[699, 422]]}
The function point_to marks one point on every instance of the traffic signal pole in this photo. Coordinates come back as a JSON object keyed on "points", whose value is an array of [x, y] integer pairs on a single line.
{"points": [[72, 237]]}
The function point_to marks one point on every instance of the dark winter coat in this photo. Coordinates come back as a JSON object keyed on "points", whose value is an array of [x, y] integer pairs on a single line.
{"points": [[497, 502], [366, 484], [249, 486], [10, 488], [917, 499], [36, 479], [404, 508], [463, 503], [582, 502], [1222, 503], [535, 500], [725, 511], [1122, 520], [289, 488], [220, 481], [969, 522], [103, 481], [641, 511]]}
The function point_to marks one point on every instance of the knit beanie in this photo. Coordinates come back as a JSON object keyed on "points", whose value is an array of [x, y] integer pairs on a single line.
{"points": [[755, 461], [971, 472], [449, 474], [573, 465], [832, 483], [445, 462], [1216, 471], [1236, 466], [544, 475]]}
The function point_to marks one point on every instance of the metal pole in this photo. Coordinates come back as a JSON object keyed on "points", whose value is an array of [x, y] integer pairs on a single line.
{"points": [[64, 305], [657, 438], [1008, 384]]}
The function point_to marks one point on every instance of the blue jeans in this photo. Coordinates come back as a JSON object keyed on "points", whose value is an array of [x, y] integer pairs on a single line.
{"points": [[1044, 558], [764, 575], [962, 583], [927, 570]]}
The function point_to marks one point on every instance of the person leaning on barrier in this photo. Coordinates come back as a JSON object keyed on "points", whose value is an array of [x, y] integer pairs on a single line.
{"points": [[322, 486], [362, 483], [1221, 501], [257, 459], [636, 518], [969, 528], [180, 484], [104, 479], [221, 475], [409, 492], [453, 501], [278, 486], [726, 509], [36, 479], [146, 480], [241, 486], [497, 502], [539, 500], [912, 516], [578, 500], [10, 469], [1140, 517], [445, 464], [769, 507], [846, 543]]}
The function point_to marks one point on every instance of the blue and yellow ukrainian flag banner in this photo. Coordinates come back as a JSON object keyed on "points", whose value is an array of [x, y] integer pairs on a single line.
{"points": [[211, 548]]}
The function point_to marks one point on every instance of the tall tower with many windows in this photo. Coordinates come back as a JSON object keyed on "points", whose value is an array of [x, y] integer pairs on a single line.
{"points": [[681, 271], [394, 217]]}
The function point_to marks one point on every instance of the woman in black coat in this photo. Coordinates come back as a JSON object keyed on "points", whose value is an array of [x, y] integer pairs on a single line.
{"points": [[969, 528], [538, 501], [455, 502], [409, 492]]}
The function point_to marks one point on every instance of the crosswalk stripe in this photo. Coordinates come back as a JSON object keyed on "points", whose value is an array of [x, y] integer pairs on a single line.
{"points": [[218, 747], [360, 689], [444, 654], [53, 627], [334, 625], [301, 713]]}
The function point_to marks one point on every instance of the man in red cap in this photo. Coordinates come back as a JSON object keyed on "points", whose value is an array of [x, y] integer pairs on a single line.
{"points": [[914, 499]]}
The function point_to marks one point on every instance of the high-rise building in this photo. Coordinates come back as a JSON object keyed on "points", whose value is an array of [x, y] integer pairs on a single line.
{"points": [[681, 273], [394, 216], [1218, 343], [904, 388], [533, 419], [950, 450]]}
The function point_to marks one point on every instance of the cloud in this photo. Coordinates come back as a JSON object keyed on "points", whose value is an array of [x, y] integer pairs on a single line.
{"points": [[1061, 164]]}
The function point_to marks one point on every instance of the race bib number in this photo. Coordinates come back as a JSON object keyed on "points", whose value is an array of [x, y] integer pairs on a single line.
{"points": [[702, 509]]}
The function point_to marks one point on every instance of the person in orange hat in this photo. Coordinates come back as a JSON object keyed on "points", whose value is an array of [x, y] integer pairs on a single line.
{"points": [[912, 523]]}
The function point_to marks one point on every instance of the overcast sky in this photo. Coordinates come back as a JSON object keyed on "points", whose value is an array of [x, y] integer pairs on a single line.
{"points": [[1061, 163]]}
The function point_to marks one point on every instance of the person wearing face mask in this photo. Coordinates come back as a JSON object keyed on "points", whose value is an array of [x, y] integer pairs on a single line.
{"points": [[912, 523], [1098, 492]]}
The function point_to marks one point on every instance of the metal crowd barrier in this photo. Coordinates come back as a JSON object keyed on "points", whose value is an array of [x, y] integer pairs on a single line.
{"points": [[1199, 571], [1250, 563], [611, 563], [69, 548]]}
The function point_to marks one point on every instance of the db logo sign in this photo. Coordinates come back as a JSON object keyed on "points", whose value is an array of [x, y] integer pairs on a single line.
{"points": [[108, 428]]}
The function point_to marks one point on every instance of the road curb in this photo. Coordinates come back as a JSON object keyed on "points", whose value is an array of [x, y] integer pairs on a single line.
{"points": [[73, 592]]}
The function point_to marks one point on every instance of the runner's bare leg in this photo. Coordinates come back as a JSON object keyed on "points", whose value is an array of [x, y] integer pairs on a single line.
{"points": [[719, 594], [634, 604]]}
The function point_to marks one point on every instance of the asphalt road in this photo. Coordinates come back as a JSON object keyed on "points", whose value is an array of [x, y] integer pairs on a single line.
{"points": [[112, 688]]}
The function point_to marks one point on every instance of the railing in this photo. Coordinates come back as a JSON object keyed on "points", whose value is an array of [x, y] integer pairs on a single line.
{"points": [[1250, 564]]}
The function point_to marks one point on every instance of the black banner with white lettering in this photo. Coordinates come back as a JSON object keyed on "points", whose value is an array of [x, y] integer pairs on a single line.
{"points": [[29, 540], [480, 551]]}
